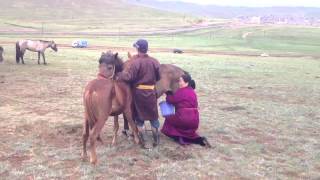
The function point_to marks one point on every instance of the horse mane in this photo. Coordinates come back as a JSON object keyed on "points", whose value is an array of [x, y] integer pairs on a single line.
{"points": [[43, 41], [114, 59]]}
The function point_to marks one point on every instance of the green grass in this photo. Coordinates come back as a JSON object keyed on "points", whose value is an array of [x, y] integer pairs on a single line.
{"points": [[273, 135], [261, 113], [302, 41]]}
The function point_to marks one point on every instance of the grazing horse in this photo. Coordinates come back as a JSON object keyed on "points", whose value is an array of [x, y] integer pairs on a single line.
{"points": [[104, 97], [1, 52], [33, 45]]}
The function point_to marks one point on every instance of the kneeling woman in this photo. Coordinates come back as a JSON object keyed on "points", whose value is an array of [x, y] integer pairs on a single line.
{"points": [[183, 125]]}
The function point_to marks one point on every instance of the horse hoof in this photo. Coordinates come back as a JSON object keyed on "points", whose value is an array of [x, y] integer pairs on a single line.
{"points": [[100, 140], [93, 161], [84, 157], [137, 141], [124, 132], [114, 143]]}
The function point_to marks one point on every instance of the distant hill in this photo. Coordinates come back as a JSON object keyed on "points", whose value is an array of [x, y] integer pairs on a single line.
{"points": [[228, 12], [84, 16]]}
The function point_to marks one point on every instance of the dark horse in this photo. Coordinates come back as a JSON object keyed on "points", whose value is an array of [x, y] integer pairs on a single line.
{"points": [[33, 45], [169, 81], [104, 97], [1, 52]]}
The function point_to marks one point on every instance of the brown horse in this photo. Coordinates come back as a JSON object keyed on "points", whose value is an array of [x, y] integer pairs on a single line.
{"points": [[1, 52], [36, 46], [169, 81], [169, 78], [104, 97]]}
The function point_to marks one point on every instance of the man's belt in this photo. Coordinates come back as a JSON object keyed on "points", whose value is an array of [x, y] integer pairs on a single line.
{"points": [[145, 87]]}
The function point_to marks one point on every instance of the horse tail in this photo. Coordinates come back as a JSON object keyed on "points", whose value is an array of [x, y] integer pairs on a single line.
{"points": [[18, 52], [89, 109]]}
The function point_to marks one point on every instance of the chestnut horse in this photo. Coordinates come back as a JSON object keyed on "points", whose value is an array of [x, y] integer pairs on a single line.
{"points": [[104, 97]]}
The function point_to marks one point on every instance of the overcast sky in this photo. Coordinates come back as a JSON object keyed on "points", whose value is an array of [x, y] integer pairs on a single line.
{"points": [[259, 3]]}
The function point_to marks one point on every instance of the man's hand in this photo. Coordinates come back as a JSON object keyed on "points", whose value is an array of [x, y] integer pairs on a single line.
{"points": [[169, 93]]}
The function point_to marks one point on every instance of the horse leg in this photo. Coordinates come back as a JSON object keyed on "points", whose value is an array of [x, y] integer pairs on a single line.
{"points": [[22, 54], [85, 136], [99, 139], [93, 137], [18, 52], [38, 57], [125, 130], [115, 130], [128, 115], [44, 59]]}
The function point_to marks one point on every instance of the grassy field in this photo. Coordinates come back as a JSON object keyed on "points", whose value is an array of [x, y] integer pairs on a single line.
{"points": [[63, 18], [261, 113], [297, 41]]}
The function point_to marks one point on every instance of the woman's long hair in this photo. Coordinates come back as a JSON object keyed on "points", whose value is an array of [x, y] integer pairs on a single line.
{"points": [[188, 79]]}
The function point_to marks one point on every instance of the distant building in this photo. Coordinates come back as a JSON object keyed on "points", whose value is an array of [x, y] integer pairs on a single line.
{"points": [[275, 19], [255, 20]]}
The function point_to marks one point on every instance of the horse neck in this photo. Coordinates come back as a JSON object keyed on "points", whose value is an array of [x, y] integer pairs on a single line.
{"points": [[126, 65], [48, 44], [119, 65]]}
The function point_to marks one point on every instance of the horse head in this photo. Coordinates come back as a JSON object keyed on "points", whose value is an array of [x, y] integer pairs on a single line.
{"points": [[54, 46], [110, 64]]}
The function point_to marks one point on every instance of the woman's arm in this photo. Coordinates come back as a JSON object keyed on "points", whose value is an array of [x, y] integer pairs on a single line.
{"points": [[174, 98]]}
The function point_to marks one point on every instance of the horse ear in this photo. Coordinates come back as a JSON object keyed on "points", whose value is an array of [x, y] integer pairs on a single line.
{"points": [[129, 55], [116, 56]]}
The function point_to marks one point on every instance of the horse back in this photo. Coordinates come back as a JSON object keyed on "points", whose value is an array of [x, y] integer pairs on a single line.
{"points": [[31, 45], [169, 78]]}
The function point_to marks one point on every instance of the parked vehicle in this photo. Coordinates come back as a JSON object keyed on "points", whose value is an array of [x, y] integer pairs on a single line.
{"points": [[79, 44]]}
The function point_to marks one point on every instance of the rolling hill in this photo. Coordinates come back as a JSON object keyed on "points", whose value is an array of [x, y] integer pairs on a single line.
{"points": [[85, 16], [228, 11]]}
